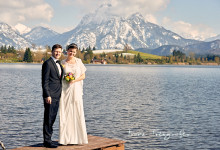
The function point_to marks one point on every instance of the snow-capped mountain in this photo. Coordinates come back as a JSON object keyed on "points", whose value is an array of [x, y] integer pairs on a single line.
{"points": [[105, 31], [9, 36], [22, 29], [202, 48], [40, 36], [213, 38], [115, 32]]}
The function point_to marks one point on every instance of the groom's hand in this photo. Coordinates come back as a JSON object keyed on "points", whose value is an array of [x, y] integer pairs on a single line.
{"points": [[48, 100]]}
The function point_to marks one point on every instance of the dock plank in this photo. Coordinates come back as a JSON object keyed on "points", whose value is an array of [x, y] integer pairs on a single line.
{"points": [[94, 143]]}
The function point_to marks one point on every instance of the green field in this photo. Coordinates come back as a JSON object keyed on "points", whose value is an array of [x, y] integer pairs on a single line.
{"points": [[145, 55]]}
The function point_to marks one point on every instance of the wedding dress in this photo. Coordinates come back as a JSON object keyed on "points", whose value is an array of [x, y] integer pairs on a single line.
{"points": [[72, 128]]}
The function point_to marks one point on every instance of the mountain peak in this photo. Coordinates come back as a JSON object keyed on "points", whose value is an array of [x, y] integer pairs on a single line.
{"points": [[100, 15], [22, 29], [104, 7], [40, 28], [8, 36], [39, 35], [137, 18], [137, 15], [4, 26], [105, 30]]}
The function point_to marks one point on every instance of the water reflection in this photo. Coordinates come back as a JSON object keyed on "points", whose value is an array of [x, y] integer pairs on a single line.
{"points": [[143, 105]]}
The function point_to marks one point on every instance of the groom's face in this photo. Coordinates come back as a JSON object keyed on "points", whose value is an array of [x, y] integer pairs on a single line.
{"points": [[57, 53]]}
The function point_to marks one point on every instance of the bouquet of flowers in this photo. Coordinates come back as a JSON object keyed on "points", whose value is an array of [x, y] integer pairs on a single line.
{"points": [[69, 77]]}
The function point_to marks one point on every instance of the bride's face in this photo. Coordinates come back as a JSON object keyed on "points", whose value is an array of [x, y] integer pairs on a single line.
{"points": [[71, 52]]}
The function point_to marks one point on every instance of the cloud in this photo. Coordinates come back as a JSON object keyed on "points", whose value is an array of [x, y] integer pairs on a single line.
{"points": [[151, 18], [188, 30], [56, 28], [121, 7], [144, 7], [14, 11]]}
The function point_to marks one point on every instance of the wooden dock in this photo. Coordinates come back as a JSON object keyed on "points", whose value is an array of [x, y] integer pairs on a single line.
{"points": [[95, 143]]}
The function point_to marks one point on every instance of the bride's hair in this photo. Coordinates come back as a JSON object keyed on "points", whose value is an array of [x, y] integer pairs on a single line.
{"points": [[72, 45]]}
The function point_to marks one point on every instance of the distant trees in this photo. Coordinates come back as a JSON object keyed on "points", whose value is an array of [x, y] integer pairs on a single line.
{"points": [[10, 49], [138, 59], [27, 55], [80, 54], [88, 48], [216, 59], [47, 53], [103, 55], [116, 58], [37, 55], [10, 54], [192, 57], [88, 56], [83, 50], [127, 47], [179, 56]]}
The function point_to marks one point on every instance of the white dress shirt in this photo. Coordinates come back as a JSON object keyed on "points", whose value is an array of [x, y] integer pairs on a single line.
{"points": [[58, 65]]}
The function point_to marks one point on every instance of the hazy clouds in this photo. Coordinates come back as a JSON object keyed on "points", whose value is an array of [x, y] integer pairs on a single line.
{"points": [[15, 11], [188, 30], [40, 12], [121, 7], [149, 9]]}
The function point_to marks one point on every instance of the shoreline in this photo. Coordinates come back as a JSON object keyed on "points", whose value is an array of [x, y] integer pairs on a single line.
{"points": [[173, 64]]}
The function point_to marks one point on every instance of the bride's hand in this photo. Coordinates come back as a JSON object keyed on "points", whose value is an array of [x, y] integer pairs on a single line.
{"points": [[78, 79], [73, 81]]}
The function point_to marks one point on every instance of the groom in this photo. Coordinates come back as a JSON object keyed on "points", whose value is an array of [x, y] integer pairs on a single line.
{"points": [[52, 86]]}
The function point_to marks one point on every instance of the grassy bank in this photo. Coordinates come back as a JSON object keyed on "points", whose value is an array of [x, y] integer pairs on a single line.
{"points": [[145, 55]]}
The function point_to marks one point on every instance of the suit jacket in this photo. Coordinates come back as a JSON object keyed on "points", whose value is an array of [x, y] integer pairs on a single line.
{"points": [[51, 80]]}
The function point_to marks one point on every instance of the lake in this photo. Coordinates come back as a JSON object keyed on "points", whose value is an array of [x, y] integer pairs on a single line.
{"points": [[149, 107]]}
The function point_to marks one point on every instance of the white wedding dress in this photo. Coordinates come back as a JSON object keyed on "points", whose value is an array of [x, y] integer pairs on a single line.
{"points": [[72, 121]]}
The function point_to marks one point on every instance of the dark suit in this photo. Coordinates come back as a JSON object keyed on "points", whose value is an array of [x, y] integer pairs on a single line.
{"points": [[52, 87]]}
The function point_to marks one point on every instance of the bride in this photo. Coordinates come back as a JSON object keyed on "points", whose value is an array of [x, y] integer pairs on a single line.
{"points": [[72, 122]]}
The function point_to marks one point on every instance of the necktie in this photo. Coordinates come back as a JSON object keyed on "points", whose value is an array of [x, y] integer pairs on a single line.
{"points": [[58, 61]]}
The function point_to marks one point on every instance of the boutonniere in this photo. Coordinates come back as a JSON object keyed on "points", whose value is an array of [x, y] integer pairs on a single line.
{"points": [[63, 66]]}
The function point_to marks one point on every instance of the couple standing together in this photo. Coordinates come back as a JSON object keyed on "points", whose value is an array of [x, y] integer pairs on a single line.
{"points": [[65, 96]]}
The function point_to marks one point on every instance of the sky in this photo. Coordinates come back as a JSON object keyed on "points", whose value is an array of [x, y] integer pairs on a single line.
{"points": [[197, 19]]}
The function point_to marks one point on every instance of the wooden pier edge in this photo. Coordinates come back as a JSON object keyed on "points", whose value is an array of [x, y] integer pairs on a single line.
{"points": [[94, 143]]}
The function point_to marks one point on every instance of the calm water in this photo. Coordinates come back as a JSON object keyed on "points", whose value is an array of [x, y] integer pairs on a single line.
{"points": [[150, 107]]}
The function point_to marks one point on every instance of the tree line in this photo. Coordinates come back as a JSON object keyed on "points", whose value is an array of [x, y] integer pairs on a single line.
{"points": [[86, 54], [10, 49], [192, 59]]}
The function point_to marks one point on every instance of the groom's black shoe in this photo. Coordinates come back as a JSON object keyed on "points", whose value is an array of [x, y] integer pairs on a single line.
{"points": [[50, 145]]}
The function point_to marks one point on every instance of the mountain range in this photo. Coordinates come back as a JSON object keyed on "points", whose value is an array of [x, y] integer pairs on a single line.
{"points": [[40, 35], [202, 48], [110, 32], [212, 38], [9, 36], [115, 32]]}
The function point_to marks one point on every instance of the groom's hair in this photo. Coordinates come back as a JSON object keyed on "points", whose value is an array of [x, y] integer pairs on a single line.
{"points": [[56, 46]]}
